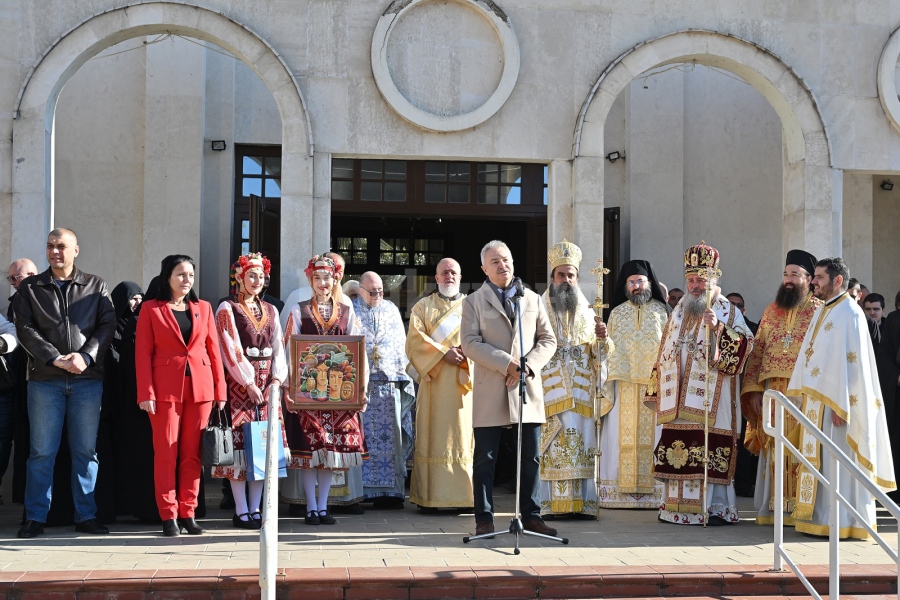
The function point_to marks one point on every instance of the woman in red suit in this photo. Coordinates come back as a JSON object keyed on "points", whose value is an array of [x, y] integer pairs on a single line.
{"points": [[179, 376]]}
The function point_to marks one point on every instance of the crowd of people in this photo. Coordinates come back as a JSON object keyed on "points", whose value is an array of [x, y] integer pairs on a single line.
{"points": [[105, 395]]}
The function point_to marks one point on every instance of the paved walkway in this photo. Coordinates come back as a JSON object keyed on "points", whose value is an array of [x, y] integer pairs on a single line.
{"points": [[406, 538]]}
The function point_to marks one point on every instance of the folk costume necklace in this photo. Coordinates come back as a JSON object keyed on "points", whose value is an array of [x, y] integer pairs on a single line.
{"points": [[255, 314], [788, 338], [373, 325], [825, 310], [322, 326]]}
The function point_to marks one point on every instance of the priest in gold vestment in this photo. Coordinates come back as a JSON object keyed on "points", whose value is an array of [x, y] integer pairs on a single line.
{"points": [[685, 371], [628, 431], [775, 347], [571, 383], [442, 459], [835, 380]]}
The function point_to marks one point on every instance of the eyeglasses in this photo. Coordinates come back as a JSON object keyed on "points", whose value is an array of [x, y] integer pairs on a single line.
{"points": [[17, 278], [373, 292], [638, 283]]}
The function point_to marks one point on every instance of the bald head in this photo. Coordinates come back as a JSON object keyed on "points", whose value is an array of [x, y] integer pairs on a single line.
{"points": [[371, 289], [447, 277], [19, 270]]}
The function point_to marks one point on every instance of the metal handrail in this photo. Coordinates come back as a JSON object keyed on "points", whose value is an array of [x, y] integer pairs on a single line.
{"points": [[835, 456], [268, 539]]}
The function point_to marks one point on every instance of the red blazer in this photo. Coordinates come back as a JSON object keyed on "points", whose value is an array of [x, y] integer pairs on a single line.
{"points": [[161, 354]]}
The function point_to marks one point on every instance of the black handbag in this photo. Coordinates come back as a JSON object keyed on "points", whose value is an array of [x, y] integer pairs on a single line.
{"points": [[217, 443]]}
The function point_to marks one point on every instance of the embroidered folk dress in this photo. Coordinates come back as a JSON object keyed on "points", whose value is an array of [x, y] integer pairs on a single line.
{"points": [[323, 439], [676, 392], [445, 441], [569, 437], [629, 427], [836, 373], [252, 352], [769, 366], [388, 419]]}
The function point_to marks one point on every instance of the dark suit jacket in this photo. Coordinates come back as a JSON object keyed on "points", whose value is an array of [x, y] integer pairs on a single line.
{"points": [[161, 354]]}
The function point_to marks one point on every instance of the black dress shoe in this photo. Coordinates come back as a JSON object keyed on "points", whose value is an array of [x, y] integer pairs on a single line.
{"points": [[240, 523], [31, 529], [350, 509], [191, 526], [92, 526], [325, 518], [716, 521], [428, 510], [312, 518], [170, 528]]}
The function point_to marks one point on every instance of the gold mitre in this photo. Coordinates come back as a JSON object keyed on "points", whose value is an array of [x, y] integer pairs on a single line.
{"points": [[564, 253], [702, 260]]}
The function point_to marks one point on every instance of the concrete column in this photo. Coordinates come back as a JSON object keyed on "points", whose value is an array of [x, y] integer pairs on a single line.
{"points": [[655, 164], [587, 212], [857, 226], [559, 202], [31, 198], [813, 200]]}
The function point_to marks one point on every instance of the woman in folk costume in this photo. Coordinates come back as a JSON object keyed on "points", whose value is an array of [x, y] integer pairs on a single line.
{"points": [[253, 355], [323, 441]]}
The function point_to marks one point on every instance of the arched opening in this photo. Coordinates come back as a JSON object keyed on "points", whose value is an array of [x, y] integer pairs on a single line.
{"points": [[34, 204]]}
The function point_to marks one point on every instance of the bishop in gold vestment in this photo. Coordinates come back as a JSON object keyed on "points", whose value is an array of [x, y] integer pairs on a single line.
{"points": [[442, 459], [628, 430], [781, 331]]}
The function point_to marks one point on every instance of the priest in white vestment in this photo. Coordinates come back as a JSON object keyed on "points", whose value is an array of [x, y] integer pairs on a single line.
{"points": [[629, 430], [835, 380], [686, 373]]}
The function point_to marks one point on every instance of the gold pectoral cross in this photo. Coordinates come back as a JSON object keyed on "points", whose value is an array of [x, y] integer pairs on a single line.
{"points": [[376, 356], [787, 340]]}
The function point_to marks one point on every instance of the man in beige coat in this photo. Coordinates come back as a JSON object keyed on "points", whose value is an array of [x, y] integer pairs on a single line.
{"points": [[490, 338]]}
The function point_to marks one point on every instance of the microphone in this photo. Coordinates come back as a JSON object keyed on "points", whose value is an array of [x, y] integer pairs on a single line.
{"points": [[520, 288]]}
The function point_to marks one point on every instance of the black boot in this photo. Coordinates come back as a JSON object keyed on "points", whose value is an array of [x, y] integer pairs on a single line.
{"points": [[191, 526], [170, 528]]}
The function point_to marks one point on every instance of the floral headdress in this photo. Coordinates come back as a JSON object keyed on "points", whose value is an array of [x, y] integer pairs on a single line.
{"points": [[243, 264], [320, 262]]}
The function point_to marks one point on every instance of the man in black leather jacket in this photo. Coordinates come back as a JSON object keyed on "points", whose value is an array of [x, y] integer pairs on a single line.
{"points": [[65, 320]]}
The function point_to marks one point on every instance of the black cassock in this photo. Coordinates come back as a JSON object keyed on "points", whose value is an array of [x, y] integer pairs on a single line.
{"points": [[888, 359]]}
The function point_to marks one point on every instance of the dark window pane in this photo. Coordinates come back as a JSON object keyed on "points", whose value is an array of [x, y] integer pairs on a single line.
{"points": [[460, 172], [419, 259], [510, 194], [386, 244], [435, 192], [252, 165], [273, 188], [252, 186], [395, 192], [487, 173], [402, 258], [341, 168], [342, 190], [437, 245], [421, 245], [487, 194], [273, 166], [343, 243], [359, 243], [510, 173], [434, 258], [395, 169], [387, 258], [370, 191], [459, 194], [371, 169], [436, 171], [359, 258]]}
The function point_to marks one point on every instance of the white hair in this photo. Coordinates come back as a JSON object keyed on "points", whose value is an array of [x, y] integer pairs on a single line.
{"points": [[492, 245]]}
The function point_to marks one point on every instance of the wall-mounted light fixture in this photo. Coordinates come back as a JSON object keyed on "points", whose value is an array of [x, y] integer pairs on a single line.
{"points": [[886, 185], [615, 155], [218, 145]]}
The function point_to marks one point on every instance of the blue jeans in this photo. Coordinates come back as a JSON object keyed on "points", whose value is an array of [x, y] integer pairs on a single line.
{"points": [[50, 403], [7, 403]]}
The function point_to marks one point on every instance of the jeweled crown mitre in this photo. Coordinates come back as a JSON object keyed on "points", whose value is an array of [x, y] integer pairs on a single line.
{"points": [[564, 253], [702, 260]]}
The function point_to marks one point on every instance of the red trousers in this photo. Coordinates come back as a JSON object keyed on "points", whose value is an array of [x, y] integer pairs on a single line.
{"points": [[177, 427]]}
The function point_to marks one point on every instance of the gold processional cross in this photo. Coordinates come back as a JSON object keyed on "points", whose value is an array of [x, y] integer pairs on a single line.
{"points": [[598, 305]]}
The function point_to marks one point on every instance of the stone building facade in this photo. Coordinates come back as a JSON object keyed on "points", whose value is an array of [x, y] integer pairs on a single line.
{"points": [[757, 126]]}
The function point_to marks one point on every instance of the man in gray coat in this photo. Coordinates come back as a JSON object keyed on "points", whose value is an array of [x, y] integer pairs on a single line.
{"points": [[490, 338]]}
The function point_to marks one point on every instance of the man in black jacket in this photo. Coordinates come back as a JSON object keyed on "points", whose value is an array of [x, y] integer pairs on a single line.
{"points": [[65, 320]]}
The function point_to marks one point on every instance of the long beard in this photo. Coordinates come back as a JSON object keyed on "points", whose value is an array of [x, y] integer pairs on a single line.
{"points": [[563, 298], [789, 298], [640, 297], [694, 306]]}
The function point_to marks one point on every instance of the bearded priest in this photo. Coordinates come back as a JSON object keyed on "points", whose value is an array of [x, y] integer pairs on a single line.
{"points": [[633, 334], [689, 370], [775, 348], [835, 380], [571, 382]]}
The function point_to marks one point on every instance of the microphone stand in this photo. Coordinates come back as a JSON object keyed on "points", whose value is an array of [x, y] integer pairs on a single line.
{"points": [[515, 524]]}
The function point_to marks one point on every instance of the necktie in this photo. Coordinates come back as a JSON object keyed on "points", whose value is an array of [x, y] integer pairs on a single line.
{"points": [[509, 306]]}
